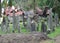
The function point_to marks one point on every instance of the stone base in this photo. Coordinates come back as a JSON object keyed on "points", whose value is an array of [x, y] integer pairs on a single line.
{"points": [[34, 37]]}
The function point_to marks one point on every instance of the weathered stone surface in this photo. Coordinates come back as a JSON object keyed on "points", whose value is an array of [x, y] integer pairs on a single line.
{"points": [[34, 37]]}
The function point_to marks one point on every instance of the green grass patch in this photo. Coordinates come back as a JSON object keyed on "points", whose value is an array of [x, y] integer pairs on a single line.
{"points": [[24, 30], [56, 33]]}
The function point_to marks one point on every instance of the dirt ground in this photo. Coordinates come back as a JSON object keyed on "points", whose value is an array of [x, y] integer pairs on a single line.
{"points": [[27, 38], [23, 38], [57, 40], [47, 41]]}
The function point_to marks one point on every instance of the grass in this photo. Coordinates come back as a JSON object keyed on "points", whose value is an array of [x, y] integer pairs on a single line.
{"points": [[47, 41], [24, 30], [56, 33], [53, 35]]}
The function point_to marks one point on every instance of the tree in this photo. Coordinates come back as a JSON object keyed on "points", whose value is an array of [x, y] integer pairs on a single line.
{"points": [[56, 7], [4, 4], [59, 0], [0, 8], [10, 3]]}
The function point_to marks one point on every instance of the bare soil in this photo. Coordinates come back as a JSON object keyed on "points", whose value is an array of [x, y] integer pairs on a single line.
{"points": [[27, 38], [57, 39], [23, 38]]}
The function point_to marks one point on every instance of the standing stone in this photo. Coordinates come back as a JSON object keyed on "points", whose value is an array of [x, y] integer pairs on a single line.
{"points": [[3, 25], [17, 23], [10, 19], [24, 19], [36, 19], [33, 26], [29, 23], [14, 21], [1, 19], [50, 21], [43, 27], [38, 22], [56, 19], [7, 25]]}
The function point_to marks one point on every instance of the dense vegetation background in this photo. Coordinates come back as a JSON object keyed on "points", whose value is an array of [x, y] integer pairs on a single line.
{"points": [[28, 4]]}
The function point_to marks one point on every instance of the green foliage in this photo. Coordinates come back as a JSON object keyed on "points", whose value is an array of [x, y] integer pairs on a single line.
{"points": [[0, 4], [54, 34], [29, 4], [10, 3], [57, 8], [4, 4], [59, 0]]}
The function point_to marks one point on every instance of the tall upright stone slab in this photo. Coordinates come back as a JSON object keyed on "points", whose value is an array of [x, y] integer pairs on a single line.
{"points": [[14, 22], [29, 23], [50, 21], [7, 25], [56, 19], [33, 26], [17, 23], [1, 19], [43, 26], [3, 25]]}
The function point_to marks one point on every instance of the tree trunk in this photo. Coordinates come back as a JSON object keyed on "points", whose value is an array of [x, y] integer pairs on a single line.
{"points": [[0, 8]]}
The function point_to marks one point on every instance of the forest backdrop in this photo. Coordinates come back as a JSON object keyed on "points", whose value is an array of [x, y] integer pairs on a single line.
{"points": [[28, 4]]}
